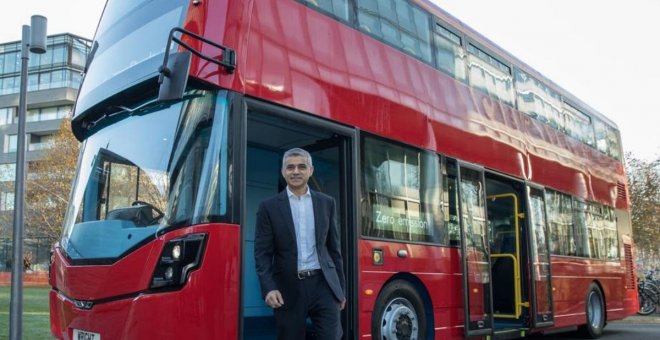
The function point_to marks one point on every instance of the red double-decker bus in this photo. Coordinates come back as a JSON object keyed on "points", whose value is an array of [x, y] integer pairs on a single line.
{"points": [[475, 196]]}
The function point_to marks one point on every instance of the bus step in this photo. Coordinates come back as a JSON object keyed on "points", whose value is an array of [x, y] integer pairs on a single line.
{"points": [[516, 333]]}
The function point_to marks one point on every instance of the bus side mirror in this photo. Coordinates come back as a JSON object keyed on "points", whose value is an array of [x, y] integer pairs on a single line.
{"points": [[174, 77]]}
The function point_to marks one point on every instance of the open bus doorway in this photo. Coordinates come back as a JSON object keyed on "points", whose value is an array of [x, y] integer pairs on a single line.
{"points": [[269, 135], [520, 263]]}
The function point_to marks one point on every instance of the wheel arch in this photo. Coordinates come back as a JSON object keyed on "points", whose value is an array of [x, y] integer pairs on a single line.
{"points": [[423, 292]]}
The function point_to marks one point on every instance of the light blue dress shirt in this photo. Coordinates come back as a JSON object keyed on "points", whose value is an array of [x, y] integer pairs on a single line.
{"points": [[302, 211]]}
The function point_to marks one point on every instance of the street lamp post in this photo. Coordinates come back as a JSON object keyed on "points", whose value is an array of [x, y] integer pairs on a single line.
{"points": [[33, 40]]}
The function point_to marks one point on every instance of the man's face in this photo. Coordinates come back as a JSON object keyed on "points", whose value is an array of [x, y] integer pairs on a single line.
{"points": [[297, 172]]}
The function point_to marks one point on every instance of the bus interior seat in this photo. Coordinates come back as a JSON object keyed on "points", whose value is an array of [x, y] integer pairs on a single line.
{"points": [[140, 215]]}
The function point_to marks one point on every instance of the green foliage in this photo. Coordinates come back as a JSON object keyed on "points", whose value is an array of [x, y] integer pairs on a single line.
{"points": [[644, 187]]}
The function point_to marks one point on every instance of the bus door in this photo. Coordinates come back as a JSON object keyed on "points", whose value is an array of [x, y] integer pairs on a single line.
{"points": [[271, 131], [505, 220], [477, 289], [541, 278]]}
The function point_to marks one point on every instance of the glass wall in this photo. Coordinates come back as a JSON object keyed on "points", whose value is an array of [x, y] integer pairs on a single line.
{"points": [[9, 115], [60, 66]]}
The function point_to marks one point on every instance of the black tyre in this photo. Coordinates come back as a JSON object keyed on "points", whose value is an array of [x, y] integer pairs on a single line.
{"points": [[647, 301], [399, 313], [595, 307]]}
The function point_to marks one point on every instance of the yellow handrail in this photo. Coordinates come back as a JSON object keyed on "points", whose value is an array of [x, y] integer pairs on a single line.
{"points": [[516, 268]]}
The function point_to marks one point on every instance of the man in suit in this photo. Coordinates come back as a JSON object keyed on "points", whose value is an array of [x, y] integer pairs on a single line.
{"points": [[298, 255]]}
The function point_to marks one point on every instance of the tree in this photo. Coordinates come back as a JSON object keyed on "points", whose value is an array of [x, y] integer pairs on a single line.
{"points": [[49, 185], [644, 187]]}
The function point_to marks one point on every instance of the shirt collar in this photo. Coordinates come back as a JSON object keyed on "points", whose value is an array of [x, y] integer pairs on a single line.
{"points": [[291, 194]]}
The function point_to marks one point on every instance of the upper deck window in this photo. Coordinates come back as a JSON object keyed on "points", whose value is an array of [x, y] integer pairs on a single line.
{"points": [[607, 139], [398, 23], [450, 54], [538, 100], [131, 40], [578, 125], [338, 8], [490, 75]]}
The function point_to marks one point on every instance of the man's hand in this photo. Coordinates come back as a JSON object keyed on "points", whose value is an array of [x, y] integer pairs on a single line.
{"points": [[342, 304], [274, 299]]}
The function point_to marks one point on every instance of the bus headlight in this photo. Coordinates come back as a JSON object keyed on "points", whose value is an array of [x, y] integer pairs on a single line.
{"points": [[178, 258]]}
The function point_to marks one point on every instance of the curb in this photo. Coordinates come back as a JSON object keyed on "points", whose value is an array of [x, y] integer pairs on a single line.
{"points": [[639, 319]]}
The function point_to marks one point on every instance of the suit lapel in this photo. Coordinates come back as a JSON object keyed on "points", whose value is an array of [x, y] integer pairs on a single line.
{"points": [[285, 209]]}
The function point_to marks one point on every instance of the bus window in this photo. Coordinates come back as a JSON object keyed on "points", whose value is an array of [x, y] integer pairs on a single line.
{"points": [[578, 125], [611, 240], [607, 139], [603, 240], [450, 55], [490, 75], [450, 202], [402, 193], [580, 228], [338, 8], [398, 23], [560, 221], [594, 230], [537, 100]]}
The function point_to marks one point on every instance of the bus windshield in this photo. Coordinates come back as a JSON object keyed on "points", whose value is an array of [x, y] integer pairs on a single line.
{"points": [[149, 169], [130, 40]]}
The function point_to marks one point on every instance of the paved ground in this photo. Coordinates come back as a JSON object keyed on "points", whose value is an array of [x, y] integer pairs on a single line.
{"points": [[632, 328], [638, 319]]}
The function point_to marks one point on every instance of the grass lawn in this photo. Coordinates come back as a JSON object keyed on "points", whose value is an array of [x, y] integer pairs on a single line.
{"points": [[36, 321]]}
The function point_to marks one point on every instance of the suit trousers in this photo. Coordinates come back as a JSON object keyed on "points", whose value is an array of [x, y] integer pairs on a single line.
{"points": [[315, 301]]}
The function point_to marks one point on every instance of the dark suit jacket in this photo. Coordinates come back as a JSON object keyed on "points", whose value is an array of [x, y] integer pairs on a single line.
{"points": [[276, 250]]}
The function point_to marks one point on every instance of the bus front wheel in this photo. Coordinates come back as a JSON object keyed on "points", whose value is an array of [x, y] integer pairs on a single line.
{"points": [[595, 308], [399, 313]]}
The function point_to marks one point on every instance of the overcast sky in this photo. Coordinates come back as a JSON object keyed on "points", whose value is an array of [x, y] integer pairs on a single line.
{"points": [[606, 52]]}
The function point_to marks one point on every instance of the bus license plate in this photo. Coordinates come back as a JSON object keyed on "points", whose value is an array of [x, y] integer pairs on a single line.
{"points": [[85, 335]]}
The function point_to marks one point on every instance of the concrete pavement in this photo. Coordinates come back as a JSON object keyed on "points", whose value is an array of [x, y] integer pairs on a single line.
{"points": [[639, 319]]}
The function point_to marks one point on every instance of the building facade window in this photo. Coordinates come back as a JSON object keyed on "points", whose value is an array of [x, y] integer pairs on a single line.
{"points": [[6, 201], [11, 143], [7, 115], [60, 66]]}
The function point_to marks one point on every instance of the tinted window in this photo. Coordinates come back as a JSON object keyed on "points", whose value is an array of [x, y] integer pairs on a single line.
{"points": [[399, 23], [607, 139], [338, 8], [450, 202], [538, 100], [173, 176], [560, 222], [601, 226], [401, 193], [473, 210], [490, 75], [578, 125], [580, 228], [449, 54]]}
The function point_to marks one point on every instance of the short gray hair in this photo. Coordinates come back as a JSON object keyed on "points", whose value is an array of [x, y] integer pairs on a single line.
{"points": [[297, 152]]}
